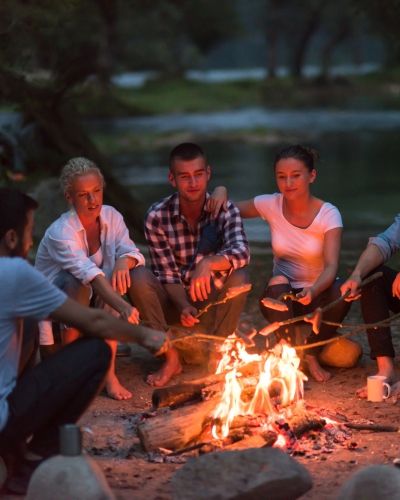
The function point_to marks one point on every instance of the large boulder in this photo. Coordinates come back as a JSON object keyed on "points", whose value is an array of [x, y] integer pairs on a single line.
{"points": [[371, 483], [242, 475]]}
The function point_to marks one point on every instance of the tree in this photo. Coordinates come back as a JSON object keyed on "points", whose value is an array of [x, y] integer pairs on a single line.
{"points": [[383, 17], [49, 49]]}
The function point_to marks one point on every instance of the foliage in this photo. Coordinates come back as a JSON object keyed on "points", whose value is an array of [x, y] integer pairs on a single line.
{"points": [[383, 17]]}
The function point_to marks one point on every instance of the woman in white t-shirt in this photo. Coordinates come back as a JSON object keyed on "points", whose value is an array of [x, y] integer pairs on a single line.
{"points": [[305, 238]]}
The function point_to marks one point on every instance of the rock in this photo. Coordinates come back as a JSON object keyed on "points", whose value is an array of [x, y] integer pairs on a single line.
{"points": [[343, 353], [69, 478], [242, 475], [370, 483]]}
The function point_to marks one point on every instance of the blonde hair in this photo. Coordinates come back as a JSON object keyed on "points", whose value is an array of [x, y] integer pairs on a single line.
{"points": [[76, 167]]}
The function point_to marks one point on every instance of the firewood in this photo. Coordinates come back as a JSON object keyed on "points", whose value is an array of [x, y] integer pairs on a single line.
{"points": [[372, 427], [175, 429], [175, 395], [181, 393], [256, 441]]}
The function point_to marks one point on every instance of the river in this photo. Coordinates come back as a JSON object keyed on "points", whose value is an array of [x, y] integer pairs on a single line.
{"points": [[358, 170]]}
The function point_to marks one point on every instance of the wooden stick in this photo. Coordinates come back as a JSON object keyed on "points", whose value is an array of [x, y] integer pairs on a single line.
{"points": [[372, 427]]}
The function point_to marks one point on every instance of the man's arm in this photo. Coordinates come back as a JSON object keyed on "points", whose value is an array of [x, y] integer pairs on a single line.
{"points": [[95, 322], [370, 259]]}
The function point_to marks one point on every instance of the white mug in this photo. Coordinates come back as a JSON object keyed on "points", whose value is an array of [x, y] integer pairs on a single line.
{"points": [[377, 387]]}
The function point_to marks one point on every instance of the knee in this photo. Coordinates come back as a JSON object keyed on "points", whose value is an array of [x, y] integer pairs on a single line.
{"points": [[278, 280], [142, 279], [74, 288], [239, 277]]}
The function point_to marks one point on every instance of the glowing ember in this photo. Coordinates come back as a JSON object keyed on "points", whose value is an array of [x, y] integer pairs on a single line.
{"points": [[279, 383]]}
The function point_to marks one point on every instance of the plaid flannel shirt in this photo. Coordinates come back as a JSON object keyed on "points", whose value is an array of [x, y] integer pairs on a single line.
{"points": [[173, 245]]}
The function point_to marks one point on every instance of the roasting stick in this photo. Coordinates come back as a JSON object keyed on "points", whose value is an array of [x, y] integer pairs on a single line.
{"points": [[355, 329], [318, 312]]}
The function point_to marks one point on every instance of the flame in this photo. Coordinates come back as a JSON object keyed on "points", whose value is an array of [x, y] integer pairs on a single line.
{"points": [[280, 441], [278, 373]]}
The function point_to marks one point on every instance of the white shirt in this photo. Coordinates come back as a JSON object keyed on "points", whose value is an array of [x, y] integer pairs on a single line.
{"points": [[64, 247], [24, 292], [298, 252]]}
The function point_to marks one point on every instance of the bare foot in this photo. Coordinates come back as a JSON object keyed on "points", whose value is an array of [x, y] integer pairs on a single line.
{"points": [[115, 390], [316, 370], [169, 369]]}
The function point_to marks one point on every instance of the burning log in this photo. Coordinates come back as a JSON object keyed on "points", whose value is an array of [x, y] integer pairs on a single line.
{"points": [[257, 441], [181, 393], [175, 429]]}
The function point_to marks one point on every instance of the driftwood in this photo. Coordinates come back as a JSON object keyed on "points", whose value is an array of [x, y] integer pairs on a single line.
{"points": [[175, 429], [372, 427]]}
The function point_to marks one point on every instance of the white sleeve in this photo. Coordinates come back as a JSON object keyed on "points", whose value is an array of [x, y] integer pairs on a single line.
{"points": [[331, 218], [265, 205]]}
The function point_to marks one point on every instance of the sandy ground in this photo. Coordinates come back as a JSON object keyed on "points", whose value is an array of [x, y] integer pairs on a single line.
{"points": [[132, 476], [112, 441]]}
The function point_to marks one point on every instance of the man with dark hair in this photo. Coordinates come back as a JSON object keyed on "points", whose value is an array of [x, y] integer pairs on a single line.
{"points": [[36, 401], [195, 258]]}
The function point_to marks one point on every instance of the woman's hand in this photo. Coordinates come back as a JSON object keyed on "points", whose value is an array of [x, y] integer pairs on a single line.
{"points": [[120, 278], [217, 201], [306, 296]]}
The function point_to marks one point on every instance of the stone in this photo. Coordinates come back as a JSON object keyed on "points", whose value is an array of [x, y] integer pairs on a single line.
{"points": [[343, 353], [242, 475], [371, 483], [67, 478]]}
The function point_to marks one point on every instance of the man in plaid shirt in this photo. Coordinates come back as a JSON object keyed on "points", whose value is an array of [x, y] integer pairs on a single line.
{"points": [[195, 258]]}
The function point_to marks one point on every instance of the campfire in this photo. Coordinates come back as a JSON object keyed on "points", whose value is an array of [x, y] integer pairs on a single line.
{"points": [[277, 384], [253, 400]]}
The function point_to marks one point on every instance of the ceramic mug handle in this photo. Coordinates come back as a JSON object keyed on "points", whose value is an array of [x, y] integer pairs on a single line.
{"points": [[388, 389]]}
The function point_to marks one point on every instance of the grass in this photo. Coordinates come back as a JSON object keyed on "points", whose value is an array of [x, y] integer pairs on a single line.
{"points": [[373, 91]]}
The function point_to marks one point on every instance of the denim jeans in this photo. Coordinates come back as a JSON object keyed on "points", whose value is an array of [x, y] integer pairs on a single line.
{"points": [[376, 303]]}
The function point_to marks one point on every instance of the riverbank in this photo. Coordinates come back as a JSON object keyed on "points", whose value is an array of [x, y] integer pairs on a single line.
{"points": [[379, 90]]}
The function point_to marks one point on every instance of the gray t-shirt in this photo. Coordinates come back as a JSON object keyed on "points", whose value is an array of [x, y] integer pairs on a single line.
{"points": [[24, 292]]}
